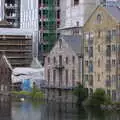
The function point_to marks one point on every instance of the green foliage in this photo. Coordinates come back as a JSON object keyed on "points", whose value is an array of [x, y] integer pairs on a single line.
{"points": [[21, 93], [81, 93], [99, 97], [38, 95], [35, 94]]}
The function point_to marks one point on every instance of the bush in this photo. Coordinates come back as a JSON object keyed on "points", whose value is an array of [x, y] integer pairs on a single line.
{"points": [[98, 98], [34, 94], [81, 93]]}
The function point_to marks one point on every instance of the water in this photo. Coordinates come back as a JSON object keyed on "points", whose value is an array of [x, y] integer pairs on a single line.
{"points": [[28, 110]]}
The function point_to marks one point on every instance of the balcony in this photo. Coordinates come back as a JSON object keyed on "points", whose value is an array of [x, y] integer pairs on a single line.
{"points": [[59, 66], [54, 86]]}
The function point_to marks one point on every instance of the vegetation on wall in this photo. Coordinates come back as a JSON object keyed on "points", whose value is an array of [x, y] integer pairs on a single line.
{"points": [[81, 93], [98, 98]]}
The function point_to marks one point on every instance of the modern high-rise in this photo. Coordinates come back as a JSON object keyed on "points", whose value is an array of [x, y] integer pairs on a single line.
{"points": [[49, 21], [12, 12]]}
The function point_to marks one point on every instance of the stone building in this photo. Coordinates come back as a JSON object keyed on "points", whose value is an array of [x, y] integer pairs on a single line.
{"points": [[5, 74], [101, 50], [63, 68]]}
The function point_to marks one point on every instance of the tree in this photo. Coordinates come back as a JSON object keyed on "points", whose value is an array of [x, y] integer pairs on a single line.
{"points": [[81, 93], [99, 97]]}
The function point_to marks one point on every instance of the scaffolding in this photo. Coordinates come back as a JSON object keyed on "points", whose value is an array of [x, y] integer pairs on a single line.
{"points": [[48, 26]]}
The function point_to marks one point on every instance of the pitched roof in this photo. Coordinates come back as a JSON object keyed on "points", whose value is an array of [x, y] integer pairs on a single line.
{"points": [[75, 42], [114, 11]]}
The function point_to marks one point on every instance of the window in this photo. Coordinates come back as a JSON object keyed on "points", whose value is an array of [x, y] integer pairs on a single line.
{"points": [[86, 77], [48, 60], [86, 63], [91, 52], [108, 93], [98, 48], [113, 78], [108, 50], [91, 80], [66, 59], [99, 63], [90, 69], [76, 2], [99, 19], [73, 59], [73, 77], [60, 60], [54, 76], [108, 81], [113, 48], [98, 77], [60, 43], [54, 60], [99, 34], [114, 34], [86, 49], [113, 95], [66, 74], [113, 62], [108, 65], [48, 72], [108, 36]]}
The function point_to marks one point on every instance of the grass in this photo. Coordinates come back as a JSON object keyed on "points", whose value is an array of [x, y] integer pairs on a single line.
{"points": [[35, 94]]}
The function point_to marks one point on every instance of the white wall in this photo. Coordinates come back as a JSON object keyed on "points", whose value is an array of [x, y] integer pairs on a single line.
{"points": [[1, 9], [29, 14], [71, 14], [29, 20]]}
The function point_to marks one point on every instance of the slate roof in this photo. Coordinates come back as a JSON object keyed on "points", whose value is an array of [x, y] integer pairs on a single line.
{"points": [[75, 42], [114, 11]]}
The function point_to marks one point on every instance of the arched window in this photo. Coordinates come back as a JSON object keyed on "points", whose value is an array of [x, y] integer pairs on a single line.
{"points": [[99, 18]]}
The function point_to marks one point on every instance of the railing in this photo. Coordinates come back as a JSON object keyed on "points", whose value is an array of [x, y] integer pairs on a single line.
{"points": [[59, 66]]}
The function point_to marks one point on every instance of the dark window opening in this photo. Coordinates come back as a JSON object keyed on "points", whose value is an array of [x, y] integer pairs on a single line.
{"points": [[76, 2]]}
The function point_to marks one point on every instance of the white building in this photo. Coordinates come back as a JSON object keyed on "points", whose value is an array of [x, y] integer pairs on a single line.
{"points": [[1, 9], [76, 12], [63, 68]]}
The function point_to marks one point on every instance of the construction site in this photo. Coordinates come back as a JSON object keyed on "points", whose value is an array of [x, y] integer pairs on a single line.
{"points": [[49, 21], [17, 49]]}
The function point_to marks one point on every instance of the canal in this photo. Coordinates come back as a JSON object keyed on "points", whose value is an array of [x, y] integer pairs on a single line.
{"points": [[27, 110]]}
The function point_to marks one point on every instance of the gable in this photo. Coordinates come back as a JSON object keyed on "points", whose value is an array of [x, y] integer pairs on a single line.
{"points": [[4, 62], [61, 47], [100, 18]]}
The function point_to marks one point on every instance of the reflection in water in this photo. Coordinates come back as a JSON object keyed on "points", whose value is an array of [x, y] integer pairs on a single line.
{"points": [[5, 108], [50, 111]]}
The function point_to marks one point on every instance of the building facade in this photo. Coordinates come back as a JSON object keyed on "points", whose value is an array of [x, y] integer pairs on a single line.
{"points": [[49, 21], [63, 68], [101, 50], [5, 74], [76, 12], [16, 45]]}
